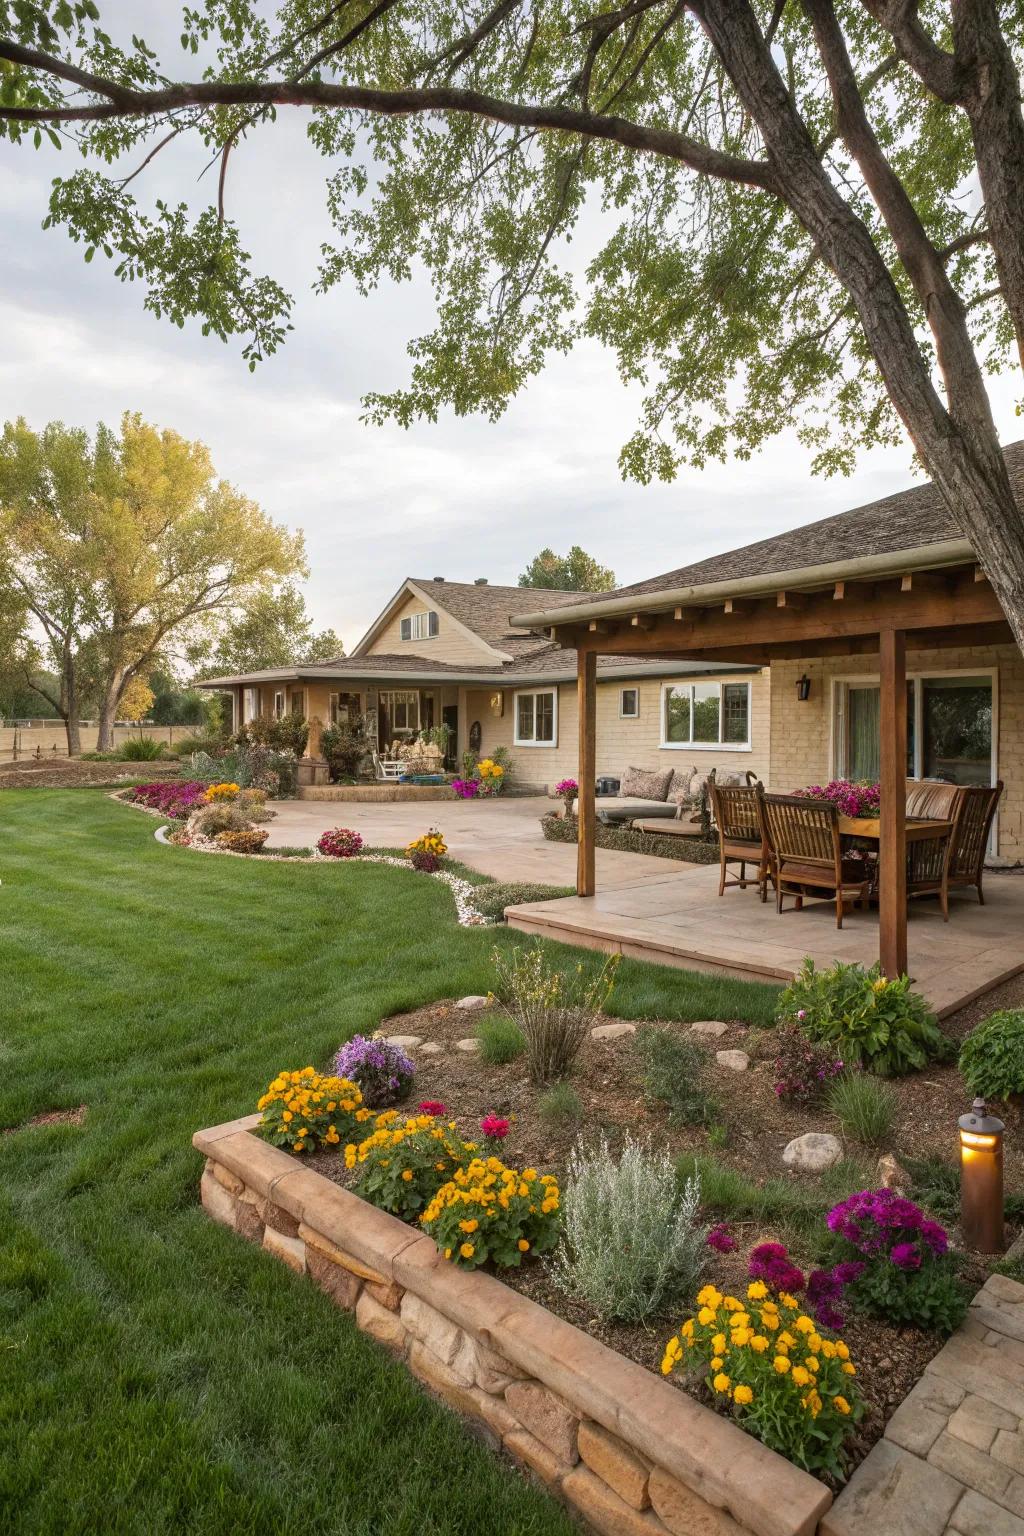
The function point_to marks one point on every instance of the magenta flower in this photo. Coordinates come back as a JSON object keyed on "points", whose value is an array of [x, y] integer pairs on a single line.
{"points": [[494, 1127], [720, 1239], [432, 1107]]}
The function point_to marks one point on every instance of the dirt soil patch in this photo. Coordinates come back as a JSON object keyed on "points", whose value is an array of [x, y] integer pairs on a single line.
{"points": [[750, 1129], [49, 1117]]}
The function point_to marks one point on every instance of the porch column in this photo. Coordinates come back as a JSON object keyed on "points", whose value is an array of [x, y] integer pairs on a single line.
{"points": [[586, 808], [892, 882]]}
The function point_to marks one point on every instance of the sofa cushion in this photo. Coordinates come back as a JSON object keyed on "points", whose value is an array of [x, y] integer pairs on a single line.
{"points": [[645, 783], [685, 786]]}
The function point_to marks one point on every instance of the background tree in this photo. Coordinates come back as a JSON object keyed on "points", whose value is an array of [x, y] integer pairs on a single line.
{"points": [[575, 572], [817, 212], [117, 545], [136, 699], [272, 630]]}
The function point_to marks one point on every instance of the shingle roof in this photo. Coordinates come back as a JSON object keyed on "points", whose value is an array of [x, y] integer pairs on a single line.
{"points": [[486, 609], [906, 520]]}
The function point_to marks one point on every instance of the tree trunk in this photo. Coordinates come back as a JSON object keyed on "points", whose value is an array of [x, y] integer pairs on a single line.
{"points": [[108, 712], [69, 706]]}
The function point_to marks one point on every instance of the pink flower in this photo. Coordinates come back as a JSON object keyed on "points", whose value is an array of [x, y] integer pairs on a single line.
{"points": [[720, 1239], [432, 1107], [494, 1127]]}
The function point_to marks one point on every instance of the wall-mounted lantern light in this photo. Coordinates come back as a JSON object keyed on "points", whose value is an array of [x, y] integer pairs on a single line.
{"points": [[803, 688], [981, 1179]]}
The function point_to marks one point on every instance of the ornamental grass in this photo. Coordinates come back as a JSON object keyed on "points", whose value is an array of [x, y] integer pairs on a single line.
{"points": [[785, 1380]]}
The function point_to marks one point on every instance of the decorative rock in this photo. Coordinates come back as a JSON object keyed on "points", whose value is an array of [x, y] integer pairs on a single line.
{"points": [[546, 1416], [736, 1061], [341, 1285], [249, 1216], [684, 1512], [812, 1152], [491, 1371], [428, 1325], [712, 1029], [283, 1221], [291, 1250], [434, 1374], [231, 1182], [431, 1048], [469, 1046], [612, 1031], [217, 1201], [613, 1461], [405, 1042], [891, 1174], [528, 1449], [474, 1001], [380, 1323], [971, 1467], [388, 1295], [978, 1422]]}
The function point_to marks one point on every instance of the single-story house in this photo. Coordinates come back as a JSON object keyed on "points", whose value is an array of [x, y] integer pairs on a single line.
{"points": [[447, 652]]}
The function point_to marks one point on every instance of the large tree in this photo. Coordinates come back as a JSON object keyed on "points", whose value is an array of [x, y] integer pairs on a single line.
{"points": [[116, 546], [273, 630], [816, 207], [575, 572]]}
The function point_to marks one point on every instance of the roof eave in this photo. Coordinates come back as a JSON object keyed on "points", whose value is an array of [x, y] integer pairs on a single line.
{"points": [[893, 563]]}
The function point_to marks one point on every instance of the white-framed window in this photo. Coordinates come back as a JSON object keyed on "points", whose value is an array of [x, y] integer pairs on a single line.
{"points": [[536, 718], [402, 708], [298, 701], [420, 626], [629, 703], [706, 716], [250, 704], [278, 704]]}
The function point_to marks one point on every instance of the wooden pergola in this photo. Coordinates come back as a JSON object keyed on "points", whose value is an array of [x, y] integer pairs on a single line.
{"points": [[934, 597]]}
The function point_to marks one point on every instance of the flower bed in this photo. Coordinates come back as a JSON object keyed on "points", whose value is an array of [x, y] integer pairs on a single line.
{"points": [[630, 1454]]}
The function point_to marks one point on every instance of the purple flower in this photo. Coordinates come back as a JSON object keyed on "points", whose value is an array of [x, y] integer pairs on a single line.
{"points": [[906, 1256], [935, 1237], [849, 1271], [771, 1263], [382, 1072], [720, 1239]]}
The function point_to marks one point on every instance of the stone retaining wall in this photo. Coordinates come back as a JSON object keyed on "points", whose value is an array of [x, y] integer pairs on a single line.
{"points": [[628, 1452], [376, 793]]}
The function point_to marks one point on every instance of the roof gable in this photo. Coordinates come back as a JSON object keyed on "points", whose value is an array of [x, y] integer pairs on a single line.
{"points": [[478, 611]]}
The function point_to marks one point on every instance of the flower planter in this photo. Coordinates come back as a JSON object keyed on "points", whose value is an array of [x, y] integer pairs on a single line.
{"points": [[628, 1452]]}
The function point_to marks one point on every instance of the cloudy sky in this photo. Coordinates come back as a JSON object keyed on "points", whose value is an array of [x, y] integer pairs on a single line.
{"points": [[462, 499]]}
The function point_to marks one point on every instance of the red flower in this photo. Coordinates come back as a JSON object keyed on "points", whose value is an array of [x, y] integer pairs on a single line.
{"points": [[432, 1107], [494, 1127]]}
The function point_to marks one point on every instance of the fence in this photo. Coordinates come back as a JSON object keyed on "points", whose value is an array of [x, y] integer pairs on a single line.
{"points": [[24, 739]]}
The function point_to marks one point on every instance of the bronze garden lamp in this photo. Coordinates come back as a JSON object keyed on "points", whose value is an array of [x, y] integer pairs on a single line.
{"points": [[981, 1179]]}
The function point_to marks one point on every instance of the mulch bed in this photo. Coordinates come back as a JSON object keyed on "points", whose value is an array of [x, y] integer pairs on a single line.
{"points": [[756, 1127]]}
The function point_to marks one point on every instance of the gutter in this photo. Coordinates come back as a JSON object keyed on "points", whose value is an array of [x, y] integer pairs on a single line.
{"points": [[893, 563], [497, 679]]}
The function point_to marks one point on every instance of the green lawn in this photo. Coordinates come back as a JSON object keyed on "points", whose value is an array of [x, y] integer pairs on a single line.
{"points": [[156, 1373]]}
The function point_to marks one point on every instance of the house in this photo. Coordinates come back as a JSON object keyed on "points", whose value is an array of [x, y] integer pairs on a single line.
{"points": [[889, 657], [447, 652]]}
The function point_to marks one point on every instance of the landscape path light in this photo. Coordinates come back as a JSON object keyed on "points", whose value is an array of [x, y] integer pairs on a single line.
{"points": [[981, 1179]]}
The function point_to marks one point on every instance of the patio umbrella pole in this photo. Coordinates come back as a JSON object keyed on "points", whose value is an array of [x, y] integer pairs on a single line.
{"points": [[892, 882]]}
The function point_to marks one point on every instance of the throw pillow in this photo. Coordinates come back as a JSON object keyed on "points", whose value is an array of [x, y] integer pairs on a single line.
{"points": [[646, 783]]}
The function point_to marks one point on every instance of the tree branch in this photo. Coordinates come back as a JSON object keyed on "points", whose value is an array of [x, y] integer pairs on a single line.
{"points": [[60, 69], [940, 71]]}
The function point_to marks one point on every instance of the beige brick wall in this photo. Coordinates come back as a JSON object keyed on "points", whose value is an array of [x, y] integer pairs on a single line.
{"points": [[620, 743], [451, 643], [801, 733]]}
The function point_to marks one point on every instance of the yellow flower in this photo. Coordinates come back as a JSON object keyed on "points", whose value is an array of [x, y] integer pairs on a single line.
{"points": [[781, 1364], [468, 1226], [407, 1175], [687, 1329], [804, 1325], [848, 1368], [743, 1394], [789, 1302], [718, 1344], [770, 1321], [709, 1297], [741, 1336], [721, 1382], [759, 1343], [523, 1245], [800, 1376], [841, 1404], [828, 1349], [467, 1250], [447, 1253], [757, 1290], [842, 1350], [731, 1304], [715, 1363], [705, 1316], [812, 1363]]}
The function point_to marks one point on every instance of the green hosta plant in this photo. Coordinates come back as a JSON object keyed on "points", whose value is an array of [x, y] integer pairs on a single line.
{"points": [[992, 1058], [875, 1023]]}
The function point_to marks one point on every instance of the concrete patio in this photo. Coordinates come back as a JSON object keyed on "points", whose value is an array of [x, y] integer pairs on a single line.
{"points": [[679, 919]]}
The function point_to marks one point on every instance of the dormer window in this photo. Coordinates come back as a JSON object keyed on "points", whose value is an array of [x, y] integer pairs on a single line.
{"points": [[420, 626]]}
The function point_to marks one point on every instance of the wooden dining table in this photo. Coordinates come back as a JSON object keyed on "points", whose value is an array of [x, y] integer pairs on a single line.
{"points": [[919, 828]]}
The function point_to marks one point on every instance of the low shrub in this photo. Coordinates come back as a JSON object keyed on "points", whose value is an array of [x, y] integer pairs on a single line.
{"points": [[785, 1380], [404, 1163], [283, 733], [896, 1261], [501, 1039], [426, 863], [210, 743], [382, 1071], [872, 1022], [555, 1010], [174, 798], [670, 1067], [141, 749], [865, 1106], [431, 843], [560, 1104], [339, 843], [802, 1069], [303, 1110], [224, 793], [210, 820], [487, 1211], [492, 899], [992, 1056], [253, 802], [632, 1241], [243, 840]]}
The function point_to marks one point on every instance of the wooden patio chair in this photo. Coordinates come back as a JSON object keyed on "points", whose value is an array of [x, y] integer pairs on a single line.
{"points": [[970, 835], [929, 859], [804, 838], [740, 838]]}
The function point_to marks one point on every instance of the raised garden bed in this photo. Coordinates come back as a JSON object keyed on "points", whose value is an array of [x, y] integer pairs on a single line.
{"points": [[630, 1453]]}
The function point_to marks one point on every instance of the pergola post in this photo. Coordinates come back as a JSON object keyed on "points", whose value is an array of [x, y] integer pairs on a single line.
{"points": [[586, 807], [892, 882]]}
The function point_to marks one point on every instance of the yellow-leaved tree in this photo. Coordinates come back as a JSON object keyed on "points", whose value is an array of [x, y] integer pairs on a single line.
{"points": [[121, 545]]}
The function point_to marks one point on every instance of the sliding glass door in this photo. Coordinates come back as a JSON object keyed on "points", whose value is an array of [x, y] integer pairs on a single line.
{"points": [[950, 732]]}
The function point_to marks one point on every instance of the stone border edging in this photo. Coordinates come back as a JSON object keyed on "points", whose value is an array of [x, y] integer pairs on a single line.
{"points": [[605, 1433]]}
